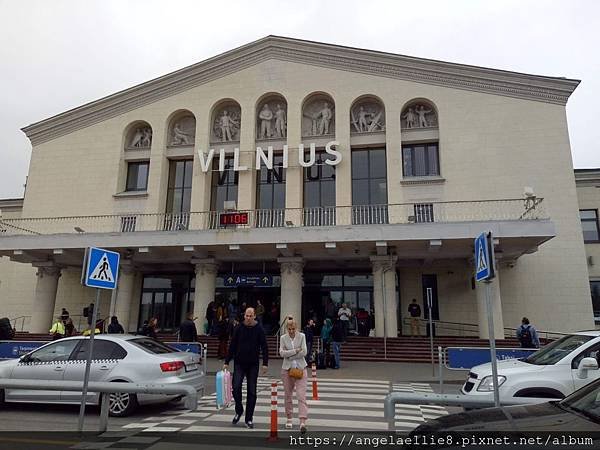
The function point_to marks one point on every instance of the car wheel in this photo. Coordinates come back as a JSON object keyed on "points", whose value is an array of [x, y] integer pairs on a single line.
{"points": [[121, 404]]}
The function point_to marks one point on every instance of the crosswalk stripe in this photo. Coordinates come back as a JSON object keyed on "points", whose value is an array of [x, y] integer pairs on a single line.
{"points": [[352, 424], [312, 411]]}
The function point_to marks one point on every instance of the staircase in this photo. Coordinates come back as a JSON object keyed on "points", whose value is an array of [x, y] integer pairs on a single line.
{"points": [[401, 349]]}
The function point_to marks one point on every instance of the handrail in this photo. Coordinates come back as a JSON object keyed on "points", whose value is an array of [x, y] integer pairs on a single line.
{"points": [[380, 214], [106, 388], [22, 321], [462, 324]]}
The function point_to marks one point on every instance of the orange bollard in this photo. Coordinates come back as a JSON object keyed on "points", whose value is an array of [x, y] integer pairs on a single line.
{"points": [[273, 435], [314, 382]]}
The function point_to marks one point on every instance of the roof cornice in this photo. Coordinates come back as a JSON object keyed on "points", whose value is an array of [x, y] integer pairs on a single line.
{"points": [[440, 73]]}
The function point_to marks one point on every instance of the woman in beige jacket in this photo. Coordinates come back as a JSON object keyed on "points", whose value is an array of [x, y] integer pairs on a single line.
{"points": [[292, 348]]}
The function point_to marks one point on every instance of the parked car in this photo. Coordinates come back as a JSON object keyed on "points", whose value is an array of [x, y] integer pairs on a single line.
{"points": [[116, 357], [579, 412], [555, 371]]}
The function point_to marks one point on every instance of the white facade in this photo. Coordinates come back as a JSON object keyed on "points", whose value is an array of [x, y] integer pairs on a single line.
{"points": [[495, 132]]}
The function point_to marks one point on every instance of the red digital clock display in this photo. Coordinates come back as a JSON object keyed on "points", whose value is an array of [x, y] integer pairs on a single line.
{"points": [[238, 218]]}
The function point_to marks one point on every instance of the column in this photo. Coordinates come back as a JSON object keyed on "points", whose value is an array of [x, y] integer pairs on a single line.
{"points": [[294, 174], [247, 178], [291, 288], [125, 301], [44, 299], [343, 171], [496, 300], [384, 295], [206, 281]]}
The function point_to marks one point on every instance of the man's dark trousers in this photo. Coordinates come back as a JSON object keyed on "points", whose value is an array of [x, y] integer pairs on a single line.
{"points": [[250, 371]]}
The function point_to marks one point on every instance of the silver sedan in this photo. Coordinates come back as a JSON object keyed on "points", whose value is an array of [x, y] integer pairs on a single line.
{"points": [[116, 357]]}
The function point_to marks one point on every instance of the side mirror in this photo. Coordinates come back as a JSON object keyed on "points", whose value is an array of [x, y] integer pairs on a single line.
{"points": [[25, 359], [586, 364]]}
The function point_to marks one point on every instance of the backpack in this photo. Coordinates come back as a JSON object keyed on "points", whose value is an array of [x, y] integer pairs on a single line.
{"points": [[525, 337]]}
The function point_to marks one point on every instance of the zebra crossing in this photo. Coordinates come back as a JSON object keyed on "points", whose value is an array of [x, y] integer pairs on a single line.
{"points": [[343, 405]]}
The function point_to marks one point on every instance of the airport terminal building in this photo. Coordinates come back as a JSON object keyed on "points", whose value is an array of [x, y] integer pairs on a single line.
{"points": [[298, 173]]}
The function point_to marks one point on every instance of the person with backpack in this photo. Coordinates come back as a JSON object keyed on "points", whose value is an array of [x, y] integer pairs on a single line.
{"points": [[527, 335]]}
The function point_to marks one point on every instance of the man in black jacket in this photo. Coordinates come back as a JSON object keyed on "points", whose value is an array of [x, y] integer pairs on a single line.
{"points": [[187, 329], [248, 340]]}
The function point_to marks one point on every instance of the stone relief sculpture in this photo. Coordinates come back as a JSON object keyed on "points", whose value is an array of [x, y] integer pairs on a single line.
{"points": [[321, 117], [184, 131], [272, 124], [367, 117], [227, 125], [418, 116], [141, 138]]}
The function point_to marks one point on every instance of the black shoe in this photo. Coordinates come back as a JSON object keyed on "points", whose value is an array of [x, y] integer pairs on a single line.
{"points": [[249, 424], [236, 419]]}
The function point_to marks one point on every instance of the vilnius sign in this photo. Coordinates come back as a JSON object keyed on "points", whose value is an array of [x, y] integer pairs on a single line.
{"points": [[267, 159]]}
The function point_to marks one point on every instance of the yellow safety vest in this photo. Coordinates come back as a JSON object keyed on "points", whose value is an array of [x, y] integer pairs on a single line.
{"points": [[87, 332], [58, 328]]}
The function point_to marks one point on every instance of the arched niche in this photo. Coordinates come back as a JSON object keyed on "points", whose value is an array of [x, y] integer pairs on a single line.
{"points": [[271, 117], [138, 135], [318, 115], [182, 129], [226, 120], [419, 113], [367, 115]]}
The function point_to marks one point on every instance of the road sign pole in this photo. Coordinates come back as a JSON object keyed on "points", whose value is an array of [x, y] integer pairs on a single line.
{"points": [[430, 324], [490, 315], [88, 362]]}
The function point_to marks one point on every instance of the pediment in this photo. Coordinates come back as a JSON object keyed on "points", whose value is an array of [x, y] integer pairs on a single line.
{"points": [[531, 87]]}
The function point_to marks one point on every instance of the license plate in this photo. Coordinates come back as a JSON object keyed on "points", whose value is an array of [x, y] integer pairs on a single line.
{"points": [[191, 367]]}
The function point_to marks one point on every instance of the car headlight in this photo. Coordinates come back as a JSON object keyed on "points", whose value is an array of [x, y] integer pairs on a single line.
{"points": [[487, 384]]}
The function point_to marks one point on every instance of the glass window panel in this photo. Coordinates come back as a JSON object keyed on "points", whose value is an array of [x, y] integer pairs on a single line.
{"points": [[177, 200], [327, 171], [142, 178], [377, 164], [595, 289], [432, 159], [378, 191], [312, 173], [364, 301], [187, 182], [587, 213], [350, 297], [407, 162], [332, 280], [266, 200], [179, 172], [328, 193], [590, 231], [59, 351], [311, 194], [221, 196], [360, 192], [358, 280], [232, 193], [360, 164], [337, 297], [186, 200], [419, 161], [279, 196]]}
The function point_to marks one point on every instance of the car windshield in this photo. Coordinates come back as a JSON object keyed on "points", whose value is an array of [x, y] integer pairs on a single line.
{"points": [[585, 401], [557, 350], [153, 346]]}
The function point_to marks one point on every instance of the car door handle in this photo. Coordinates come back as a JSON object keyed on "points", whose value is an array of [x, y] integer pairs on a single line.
{"points": [[58, 369], [104, 367]]}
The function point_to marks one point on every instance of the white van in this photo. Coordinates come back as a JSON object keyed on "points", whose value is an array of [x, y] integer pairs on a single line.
{"points": [[555, 371]]}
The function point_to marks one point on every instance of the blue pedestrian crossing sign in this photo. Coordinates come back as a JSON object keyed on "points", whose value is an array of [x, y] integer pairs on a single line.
{"points": [[484, 261], [101, 268]]}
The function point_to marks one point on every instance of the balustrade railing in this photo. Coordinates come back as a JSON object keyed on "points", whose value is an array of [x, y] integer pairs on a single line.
{"points": [[403, 213]]}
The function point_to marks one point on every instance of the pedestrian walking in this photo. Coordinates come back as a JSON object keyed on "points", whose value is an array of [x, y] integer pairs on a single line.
{"points": [[337, 337], [187, 329], [248, 343], [309, 332], [64, 315], [344, 314], [293, 349], [527, 335], [415, 316], [149, 329]]}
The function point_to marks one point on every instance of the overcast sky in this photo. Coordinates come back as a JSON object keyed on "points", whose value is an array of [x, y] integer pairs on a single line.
{"points": [[57, 55]]}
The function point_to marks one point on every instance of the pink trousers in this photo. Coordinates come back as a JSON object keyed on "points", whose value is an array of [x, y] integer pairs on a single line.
{"points": [[288, 386]]}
